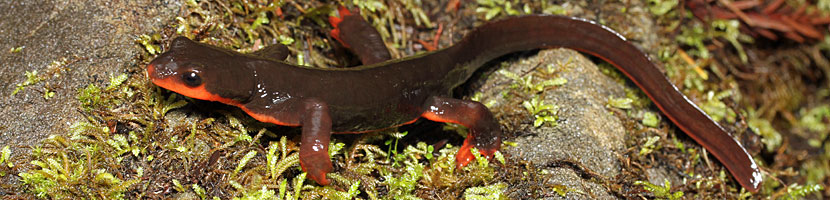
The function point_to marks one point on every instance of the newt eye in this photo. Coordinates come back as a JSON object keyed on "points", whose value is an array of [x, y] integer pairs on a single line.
{"points": [[192, 78]]}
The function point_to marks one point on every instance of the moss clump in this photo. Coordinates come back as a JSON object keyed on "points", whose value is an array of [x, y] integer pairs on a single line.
{"points": [[78, 167]]}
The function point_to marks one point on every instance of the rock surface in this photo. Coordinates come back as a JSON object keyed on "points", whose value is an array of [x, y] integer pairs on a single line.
{"points": [[94, 38], [586, 132]]}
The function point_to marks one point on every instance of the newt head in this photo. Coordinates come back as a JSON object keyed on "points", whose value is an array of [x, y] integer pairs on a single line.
{"points": [[203, 72]]}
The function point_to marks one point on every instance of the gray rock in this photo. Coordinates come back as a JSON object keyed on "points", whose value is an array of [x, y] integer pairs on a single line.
{"points": [[96, 38], [586, 134]]}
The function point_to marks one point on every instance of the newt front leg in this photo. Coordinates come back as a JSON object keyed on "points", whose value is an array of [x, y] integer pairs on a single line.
{"points": [[314, 147]]}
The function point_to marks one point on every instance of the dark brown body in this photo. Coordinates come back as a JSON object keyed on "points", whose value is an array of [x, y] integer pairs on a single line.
{"points": [[396, 92]]}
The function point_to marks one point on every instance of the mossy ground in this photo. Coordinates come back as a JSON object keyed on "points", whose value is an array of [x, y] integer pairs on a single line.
{"points": [[132, 146]]}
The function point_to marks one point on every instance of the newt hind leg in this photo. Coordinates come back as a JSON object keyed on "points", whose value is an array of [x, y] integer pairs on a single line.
{"points": [[485, 131]]}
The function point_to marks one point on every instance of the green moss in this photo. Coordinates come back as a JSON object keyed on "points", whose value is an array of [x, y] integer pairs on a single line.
{"points": [[16, 49], [370, 5], [553, 9], [262, 193], [542, 112], [402, 186], [661, 7], [489, 192], [415, 9], [650, 145], [663, 192], [621, 103], [527, 84], [650, 119], [31, 78], [279, 158], [728, 30], [116, 81], [90, 97], [243, 162], [694, 36], [814, 119], [796, 191], [76, 167], [493, 8], [336, 194], [85, 164], [93, 97], [150, 43], [716, 108], [47, 93], [769, 136], [5, 161], [54, 69]]}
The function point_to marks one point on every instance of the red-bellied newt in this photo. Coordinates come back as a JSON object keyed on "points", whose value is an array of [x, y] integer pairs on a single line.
{"points": [[395, 92]]}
